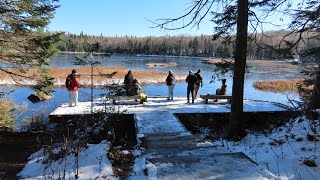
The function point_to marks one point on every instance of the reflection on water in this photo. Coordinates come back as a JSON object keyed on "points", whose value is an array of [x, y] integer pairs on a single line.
{"points": [[19, 96], [257, 71]]}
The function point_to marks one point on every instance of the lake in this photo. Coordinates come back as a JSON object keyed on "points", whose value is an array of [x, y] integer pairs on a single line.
{"points": [[256, 71]]}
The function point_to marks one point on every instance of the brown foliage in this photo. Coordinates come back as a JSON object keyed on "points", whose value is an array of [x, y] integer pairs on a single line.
{"points": [[279, 85], [144, 77]]}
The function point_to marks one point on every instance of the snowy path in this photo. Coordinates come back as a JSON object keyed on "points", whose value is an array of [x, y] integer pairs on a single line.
{"points": [[170, 151], [156, 116]]}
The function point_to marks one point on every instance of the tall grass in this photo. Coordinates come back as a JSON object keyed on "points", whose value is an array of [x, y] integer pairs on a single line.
{"points": [[7, 113], [60, 74], [279, 85]]}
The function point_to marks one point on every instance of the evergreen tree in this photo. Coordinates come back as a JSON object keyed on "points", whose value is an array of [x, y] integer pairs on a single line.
{"points": [[306, 25], [23, 42]]}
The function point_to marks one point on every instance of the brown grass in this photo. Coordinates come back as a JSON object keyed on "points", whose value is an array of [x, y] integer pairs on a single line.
{"points": [[278, 85], [144, 77]]}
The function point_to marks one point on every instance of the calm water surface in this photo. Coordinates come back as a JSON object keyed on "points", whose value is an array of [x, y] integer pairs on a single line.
{"points": [[256, 71]]}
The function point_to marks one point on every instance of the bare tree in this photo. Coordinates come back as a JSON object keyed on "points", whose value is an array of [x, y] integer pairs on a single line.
{"points": [[242, 15], [230, 16]]}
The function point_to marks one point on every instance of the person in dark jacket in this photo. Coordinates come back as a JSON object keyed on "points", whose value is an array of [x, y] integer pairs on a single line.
{"points": [[223, 89], [136, 88], [128, 82], [171, 81], [191, 80], [198, 83]]}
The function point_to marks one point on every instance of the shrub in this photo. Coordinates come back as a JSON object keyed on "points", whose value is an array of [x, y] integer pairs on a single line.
{"points": [[7, 113]]}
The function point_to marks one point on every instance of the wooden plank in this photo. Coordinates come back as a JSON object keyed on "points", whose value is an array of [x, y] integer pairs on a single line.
{"points": [[126, 97], [209, 96], [135, 97]]}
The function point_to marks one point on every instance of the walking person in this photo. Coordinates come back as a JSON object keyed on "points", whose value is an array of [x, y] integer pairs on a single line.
{"points": [[171, 81], [128, 82], [72, 84], [198, 83], [191, 80]]}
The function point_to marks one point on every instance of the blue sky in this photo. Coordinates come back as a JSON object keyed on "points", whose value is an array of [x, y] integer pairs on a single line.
{"points": [[121, 17], [125, 17]]}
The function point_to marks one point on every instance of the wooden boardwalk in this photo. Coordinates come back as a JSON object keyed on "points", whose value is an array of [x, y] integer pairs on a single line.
{"points": [[174, 151]]}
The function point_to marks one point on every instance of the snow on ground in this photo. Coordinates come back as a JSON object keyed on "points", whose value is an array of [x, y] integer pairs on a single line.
{"points": [[199, 163], [93, 164], [157, 114], [280, 155], [283, 151]]}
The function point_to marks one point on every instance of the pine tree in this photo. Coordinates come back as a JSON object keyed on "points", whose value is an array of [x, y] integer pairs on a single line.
{"points": [[23, 42]]}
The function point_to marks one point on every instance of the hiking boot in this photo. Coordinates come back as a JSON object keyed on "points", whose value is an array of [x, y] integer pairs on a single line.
{"points": [[188, 102], [171, 98], [192, 101], [216, 100]]}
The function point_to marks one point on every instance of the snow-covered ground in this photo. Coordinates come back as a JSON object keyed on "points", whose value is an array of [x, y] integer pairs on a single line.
{"points": [[93, 164], [157, 114], [282, 151]]}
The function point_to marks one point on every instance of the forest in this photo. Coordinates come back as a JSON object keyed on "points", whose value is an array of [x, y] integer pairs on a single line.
{"points": [[89, 124], [260, 46]]}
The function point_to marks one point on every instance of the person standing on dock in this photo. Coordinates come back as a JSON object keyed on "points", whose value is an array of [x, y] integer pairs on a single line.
{"points": [[191, 80], [198, 83], [171, 81], [128, 82], [72, 84]]}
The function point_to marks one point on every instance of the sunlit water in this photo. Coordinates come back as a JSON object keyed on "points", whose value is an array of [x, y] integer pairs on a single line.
{"points": [[184, 64]]}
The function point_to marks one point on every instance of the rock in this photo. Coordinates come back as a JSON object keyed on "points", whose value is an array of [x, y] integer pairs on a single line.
{"points": [[39, 96], [163, 64], [310, 162], [312, 137]]}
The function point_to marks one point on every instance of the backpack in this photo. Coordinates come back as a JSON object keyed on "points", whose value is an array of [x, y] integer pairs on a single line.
{"points": [[70, 82]]}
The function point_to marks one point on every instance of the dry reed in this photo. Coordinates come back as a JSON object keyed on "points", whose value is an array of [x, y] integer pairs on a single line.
{"points": [[279, 85], [144, 77]]}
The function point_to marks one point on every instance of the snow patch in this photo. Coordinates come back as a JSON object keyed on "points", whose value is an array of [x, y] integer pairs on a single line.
{"points": [[93, 164]]}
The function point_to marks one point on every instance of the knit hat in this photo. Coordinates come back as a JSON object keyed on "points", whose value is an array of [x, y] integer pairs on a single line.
{"points": [[190, 72], [170, 72]]}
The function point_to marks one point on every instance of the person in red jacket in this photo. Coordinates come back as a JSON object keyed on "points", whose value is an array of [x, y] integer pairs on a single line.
{"points": [[72, 84]]}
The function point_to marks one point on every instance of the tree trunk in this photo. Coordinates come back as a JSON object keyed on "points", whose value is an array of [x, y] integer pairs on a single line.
{"points": [[236, 128], [315, 97]]}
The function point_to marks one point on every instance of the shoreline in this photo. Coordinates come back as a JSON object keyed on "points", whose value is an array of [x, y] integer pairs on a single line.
{"points": [[100, 79], [214, 60]]}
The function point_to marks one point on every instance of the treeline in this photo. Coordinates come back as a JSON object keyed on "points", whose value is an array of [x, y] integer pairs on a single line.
{"points": [[197, 46]]}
